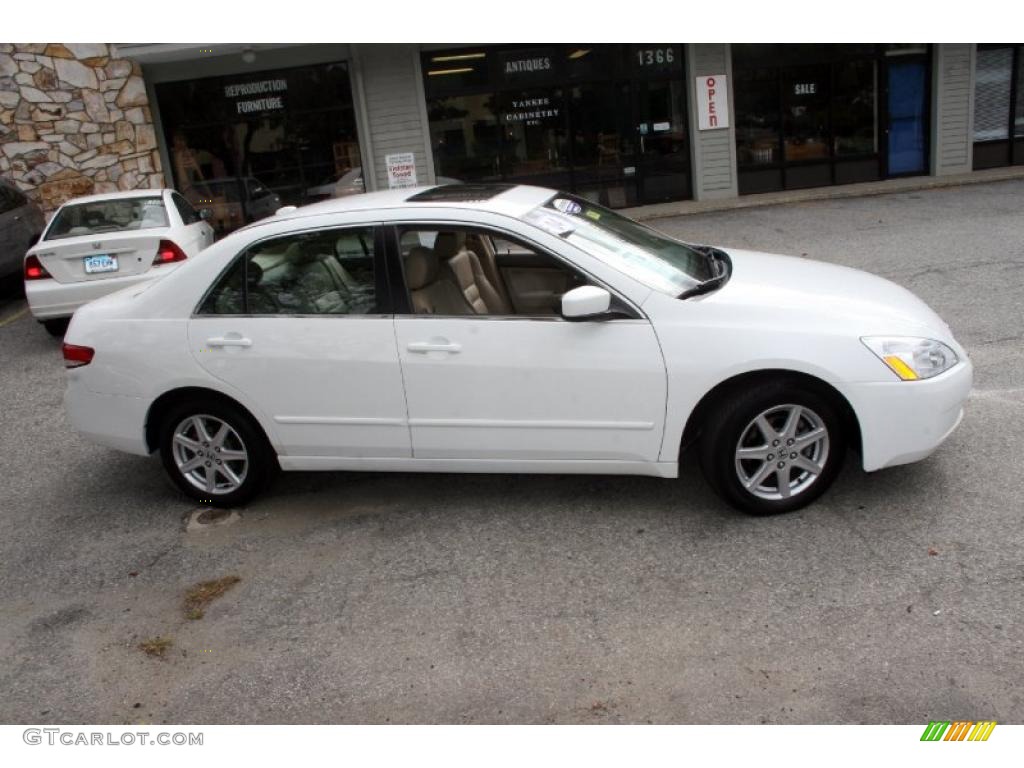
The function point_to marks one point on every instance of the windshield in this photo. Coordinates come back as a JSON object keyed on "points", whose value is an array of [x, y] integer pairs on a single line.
{"points": [[104, 216], [657, 261]]}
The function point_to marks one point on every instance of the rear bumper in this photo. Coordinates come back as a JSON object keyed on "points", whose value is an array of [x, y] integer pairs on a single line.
{"points": [[905, 421], [49, 299], [116, 421]]}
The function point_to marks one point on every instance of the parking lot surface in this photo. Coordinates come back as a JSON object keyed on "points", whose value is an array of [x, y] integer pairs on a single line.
{"points": [[370, 598]]}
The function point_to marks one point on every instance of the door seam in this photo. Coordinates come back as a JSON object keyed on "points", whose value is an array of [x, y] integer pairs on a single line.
{"points": [[405, 386]]}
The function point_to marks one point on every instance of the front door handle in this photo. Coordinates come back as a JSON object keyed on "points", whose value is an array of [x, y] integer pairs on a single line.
{"points": [[229, 341], [422, 347]]}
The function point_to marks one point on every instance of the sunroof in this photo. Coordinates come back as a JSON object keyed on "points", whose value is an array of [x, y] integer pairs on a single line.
{"points": [[459, 193]]}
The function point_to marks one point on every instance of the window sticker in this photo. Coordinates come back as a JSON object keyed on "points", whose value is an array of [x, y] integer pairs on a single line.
{"points": [[567, 206], [549, 222]]}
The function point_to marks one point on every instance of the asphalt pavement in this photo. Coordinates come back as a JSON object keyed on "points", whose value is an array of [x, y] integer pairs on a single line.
{"points": [[369, 598]]}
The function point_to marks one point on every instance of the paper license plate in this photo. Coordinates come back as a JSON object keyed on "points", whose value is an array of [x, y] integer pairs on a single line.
{"points": [[105, 263]]}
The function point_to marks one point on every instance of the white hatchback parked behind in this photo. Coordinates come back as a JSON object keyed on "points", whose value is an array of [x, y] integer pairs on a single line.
{"points": [[478, 328], [99, 244]]}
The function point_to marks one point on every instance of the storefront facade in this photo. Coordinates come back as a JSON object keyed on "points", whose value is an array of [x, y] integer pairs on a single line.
{"points": [[608, 122], [817, 115], [243, 129], [280, 134]]}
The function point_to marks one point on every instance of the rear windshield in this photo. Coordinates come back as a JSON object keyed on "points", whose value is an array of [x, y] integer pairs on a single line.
{"points": [[103, 216]]}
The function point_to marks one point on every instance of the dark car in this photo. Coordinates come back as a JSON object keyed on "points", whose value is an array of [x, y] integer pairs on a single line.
{"points": [[21, 223]]}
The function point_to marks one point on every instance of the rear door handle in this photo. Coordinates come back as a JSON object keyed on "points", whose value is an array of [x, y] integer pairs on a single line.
{"points": [[422, 347], [229, 341]]}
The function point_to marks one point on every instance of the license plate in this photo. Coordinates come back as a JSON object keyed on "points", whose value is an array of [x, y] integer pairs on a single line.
{"points": [[105, 263]]}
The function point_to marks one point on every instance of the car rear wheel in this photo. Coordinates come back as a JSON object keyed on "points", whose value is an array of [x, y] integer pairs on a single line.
{"points": [[57, 328], [773, 449], [215, 452]]}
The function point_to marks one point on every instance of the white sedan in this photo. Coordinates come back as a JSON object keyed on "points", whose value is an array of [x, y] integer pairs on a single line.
{"points": [[478, 328], [99, 244]]}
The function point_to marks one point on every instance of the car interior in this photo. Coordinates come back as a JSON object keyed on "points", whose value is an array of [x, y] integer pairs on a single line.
{"points": [[314, 274], [471, 272], [447, 272], [109, 216]]}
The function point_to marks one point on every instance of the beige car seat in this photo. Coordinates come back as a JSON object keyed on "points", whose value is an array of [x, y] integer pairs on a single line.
{"points": [[450, 248], [431, 294]]}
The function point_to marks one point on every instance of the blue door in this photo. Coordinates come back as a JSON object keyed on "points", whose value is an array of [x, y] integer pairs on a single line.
{"points": [[907, 104]]}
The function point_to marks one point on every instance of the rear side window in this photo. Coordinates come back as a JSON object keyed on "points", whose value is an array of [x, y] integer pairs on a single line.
{"points": [[188, 214], [314, 273], [102, 216]]}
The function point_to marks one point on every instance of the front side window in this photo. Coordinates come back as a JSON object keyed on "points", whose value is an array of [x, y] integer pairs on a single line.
{"points": [[329, 272], [472, 271], [103, 216], [657, 261]]}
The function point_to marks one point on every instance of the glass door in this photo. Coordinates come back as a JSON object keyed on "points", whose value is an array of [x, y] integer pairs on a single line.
{"points": [[907, 107], [603, 149], [663, 156]]}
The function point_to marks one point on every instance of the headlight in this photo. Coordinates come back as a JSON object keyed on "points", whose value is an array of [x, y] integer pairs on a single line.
{"points": [[911, 358]]}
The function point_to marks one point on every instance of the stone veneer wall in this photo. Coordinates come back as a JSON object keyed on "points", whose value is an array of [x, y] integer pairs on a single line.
{"points": [[74, 120]]}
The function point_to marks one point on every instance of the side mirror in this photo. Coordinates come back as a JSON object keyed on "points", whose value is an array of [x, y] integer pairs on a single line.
{"points": [[205, 214], [585, 303]]}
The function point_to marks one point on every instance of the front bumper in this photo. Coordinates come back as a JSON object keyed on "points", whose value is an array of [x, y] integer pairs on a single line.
{"points": [[50, 300], [905, 421]]}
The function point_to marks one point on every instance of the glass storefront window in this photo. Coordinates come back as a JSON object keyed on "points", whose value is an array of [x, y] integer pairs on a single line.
{"points": [[812, 115], [1018, 117], [464, 134], [534, 138], [608, 121], [805, 130], [452, 70], [603, 143], [855, 108], [992, 94], [243, 145], [757, 116]]}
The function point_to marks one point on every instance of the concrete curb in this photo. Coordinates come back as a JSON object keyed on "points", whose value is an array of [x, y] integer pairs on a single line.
{"points": [[887, 187]]}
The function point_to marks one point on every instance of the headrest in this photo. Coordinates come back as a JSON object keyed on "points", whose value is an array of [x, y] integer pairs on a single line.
{"points": [[448, 244], [420, 267], [299, 253]]}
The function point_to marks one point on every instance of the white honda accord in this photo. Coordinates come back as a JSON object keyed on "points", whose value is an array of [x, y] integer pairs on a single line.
{"points": [[99, 244], [478, 328]]}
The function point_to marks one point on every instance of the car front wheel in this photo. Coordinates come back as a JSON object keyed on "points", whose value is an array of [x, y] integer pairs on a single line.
{"points": [[215, 453], [773, 449]]}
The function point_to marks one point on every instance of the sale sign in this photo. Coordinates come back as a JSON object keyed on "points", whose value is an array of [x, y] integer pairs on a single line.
{"points": [[712, 102]]}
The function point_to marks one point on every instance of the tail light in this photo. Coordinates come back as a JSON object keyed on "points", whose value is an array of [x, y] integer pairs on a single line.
{"points": [[34, 270], [76, 356], [167, 253]]}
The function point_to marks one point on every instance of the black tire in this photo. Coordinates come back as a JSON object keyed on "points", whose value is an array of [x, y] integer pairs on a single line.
{"points": [[733, 422], [58, 327], [261, 464]]}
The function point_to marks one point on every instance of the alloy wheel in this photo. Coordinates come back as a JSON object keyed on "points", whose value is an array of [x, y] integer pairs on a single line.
{"points": [[782, 452], [210, 454]]}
